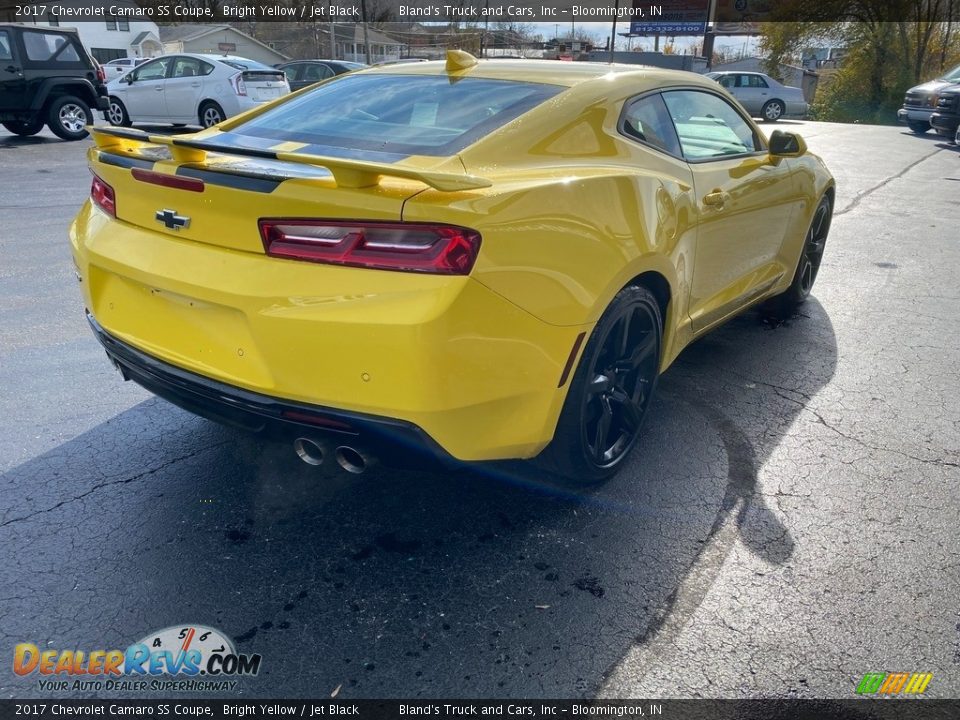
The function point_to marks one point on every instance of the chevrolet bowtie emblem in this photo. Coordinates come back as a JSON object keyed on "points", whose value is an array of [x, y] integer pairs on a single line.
{"points": [[172, 220]]}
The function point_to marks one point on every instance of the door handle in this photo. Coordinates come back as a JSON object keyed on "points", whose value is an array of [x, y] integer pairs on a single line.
{"points": [[716, 199], [159, 88], [194, 84], [12, 69]]}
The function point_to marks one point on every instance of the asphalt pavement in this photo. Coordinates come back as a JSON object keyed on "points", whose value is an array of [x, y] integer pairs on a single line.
{"points": [[787, 523]]}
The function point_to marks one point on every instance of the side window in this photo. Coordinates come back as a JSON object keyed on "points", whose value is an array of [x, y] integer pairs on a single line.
{"points": [[728, 81], [647, 120], [315, 73], [186, 67], [5, 53], [49, 47], [205, 67], [152, 70], [708, 126], [756, 81], [291, 72]]}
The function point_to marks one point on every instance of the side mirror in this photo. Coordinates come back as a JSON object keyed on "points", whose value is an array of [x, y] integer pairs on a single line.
{"points": [[128, 79], [786, 144]]}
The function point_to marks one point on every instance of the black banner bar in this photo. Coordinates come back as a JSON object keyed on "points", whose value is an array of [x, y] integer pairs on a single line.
{"points": [[251, 709], [725, 12]]}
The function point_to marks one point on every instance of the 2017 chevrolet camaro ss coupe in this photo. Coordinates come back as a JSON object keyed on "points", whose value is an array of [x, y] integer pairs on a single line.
{"points": [[476, 260]]}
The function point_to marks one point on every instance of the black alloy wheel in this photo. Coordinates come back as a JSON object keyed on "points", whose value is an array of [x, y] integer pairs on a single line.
{"points": [[808, 265], [610, 392]]}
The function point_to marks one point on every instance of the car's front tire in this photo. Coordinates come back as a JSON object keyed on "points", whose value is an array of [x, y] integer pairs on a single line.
{"points": [[210, 114], [609, 393], [24, 129], [918, 128], [117, 114], [773, 110], [68, 116], [808, 265]]}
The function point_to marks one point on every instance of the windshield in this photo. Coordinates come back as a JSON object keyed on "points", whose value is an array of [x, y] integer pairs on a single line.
{"points": [[953, 75], [408, 114]]}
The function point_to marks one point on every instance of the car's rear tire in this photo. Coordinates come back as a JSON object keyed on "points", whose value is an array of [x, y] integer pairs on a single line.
{"points": [[773, 110], [918, 127], [609, 393], [117, 113], [808, 265], [24, 129], [210, 114], [68, 116]]}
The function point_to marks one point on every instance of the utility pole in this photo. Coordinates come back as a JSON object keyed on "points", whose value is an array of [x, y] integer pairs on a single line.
{"points": [[613, 30], [366, 39]]}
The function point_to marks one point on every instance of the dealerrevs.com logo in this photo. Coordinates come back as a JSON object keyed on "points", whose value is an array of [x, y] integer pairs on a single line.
{"points": [[181, 657]]}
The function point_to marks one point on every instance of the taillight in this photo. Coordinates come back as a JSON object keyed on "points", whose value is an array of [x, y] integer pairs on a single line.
{"points": [[411, 247], [239, 86], [101, 73], [103, 197]]}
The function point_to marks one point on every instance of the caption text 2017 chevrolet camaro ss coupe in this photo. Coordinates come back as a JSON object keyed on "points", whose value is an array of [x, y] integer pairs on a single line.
{"points": [[476, 260]]}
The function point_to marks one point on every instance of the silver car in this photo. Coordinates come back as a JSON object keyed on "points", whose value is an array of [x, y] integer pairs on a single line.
{"points": [[761, 95], [192, 89]]}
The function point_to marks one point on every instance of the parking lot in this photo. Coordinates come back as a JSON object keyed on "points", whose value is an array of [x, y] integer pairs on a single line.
{"points": [[787, 523]]}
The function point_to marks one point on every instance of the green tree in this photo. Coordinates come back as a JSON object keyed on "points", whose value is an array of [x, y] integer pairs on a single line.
{"points": [[891, 45]]}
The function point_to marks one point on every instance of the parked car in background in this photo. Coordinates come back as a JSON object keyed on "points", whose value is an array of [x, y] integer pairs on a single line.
{"points": [[120, 66], [921, 100], [48, 78], [761, 95], [190, 89], [301, 73], [946, 118]]}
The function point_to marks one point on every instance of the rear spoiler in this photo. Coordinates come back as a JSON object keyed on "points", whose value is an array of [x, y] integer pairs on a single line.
{"points": [[346, 172]]}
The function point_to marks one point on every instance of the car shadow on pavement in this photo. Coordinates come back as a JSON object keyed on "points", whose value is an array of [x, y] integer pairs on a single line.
{"points": [[404, 584], [13, 142]]}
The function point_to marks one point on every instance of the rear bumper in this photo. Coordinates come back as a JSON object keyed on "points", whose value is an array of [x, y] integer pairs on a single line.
{"points": [[444, 354], [797, 109], [395, 441]]}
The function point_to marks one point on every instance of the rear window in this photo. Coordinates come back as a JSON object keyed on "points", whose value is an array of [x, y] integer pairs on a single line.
{"points": [[409, 114], [240, 64]]}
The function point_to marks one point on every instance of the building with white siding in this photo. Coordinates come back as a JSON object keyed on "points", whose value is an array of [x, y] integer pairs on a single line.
{"points": [[109, 39], [208, 39]]}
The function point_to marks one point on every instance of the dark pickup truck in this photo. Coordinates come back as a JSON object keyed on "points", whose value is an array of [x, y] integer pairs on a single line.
{"points": [[48, 78], [946, 118]]}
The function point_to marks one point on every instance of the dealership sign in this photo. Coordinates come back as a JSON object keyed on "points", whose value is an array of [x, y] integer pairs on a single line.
{"points": [[671, 17]]}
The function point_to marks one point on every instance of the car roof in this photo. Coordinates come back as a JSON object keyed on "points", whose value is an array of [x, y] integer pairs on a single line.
{"points": [[550, 72]]}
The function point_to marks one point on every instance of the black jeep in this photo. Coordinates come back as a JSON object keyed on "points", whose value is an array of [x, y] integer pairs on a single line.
{"points": [[48, 78]]}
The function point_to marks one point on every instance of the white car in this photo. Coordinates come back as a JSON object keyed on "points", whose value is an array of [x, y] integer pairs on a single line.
{"points": [[761, 95], [121, 66], [190, 89]]}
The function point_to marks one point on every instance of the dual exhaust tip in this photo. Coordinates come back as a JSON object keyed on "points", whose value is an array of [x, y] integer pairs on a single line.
{"points": [[313, 452]]}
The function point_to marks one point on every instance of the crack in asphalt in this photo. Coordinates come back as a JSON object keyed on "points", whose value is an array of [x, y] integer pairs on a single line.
{"points": [[869, 191], [780, 392], [123, 481]]}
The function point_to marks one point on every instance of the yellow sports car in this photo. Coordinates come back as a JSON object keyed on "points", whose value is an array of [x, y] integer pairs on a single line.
{"points": [[471, 260]]}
